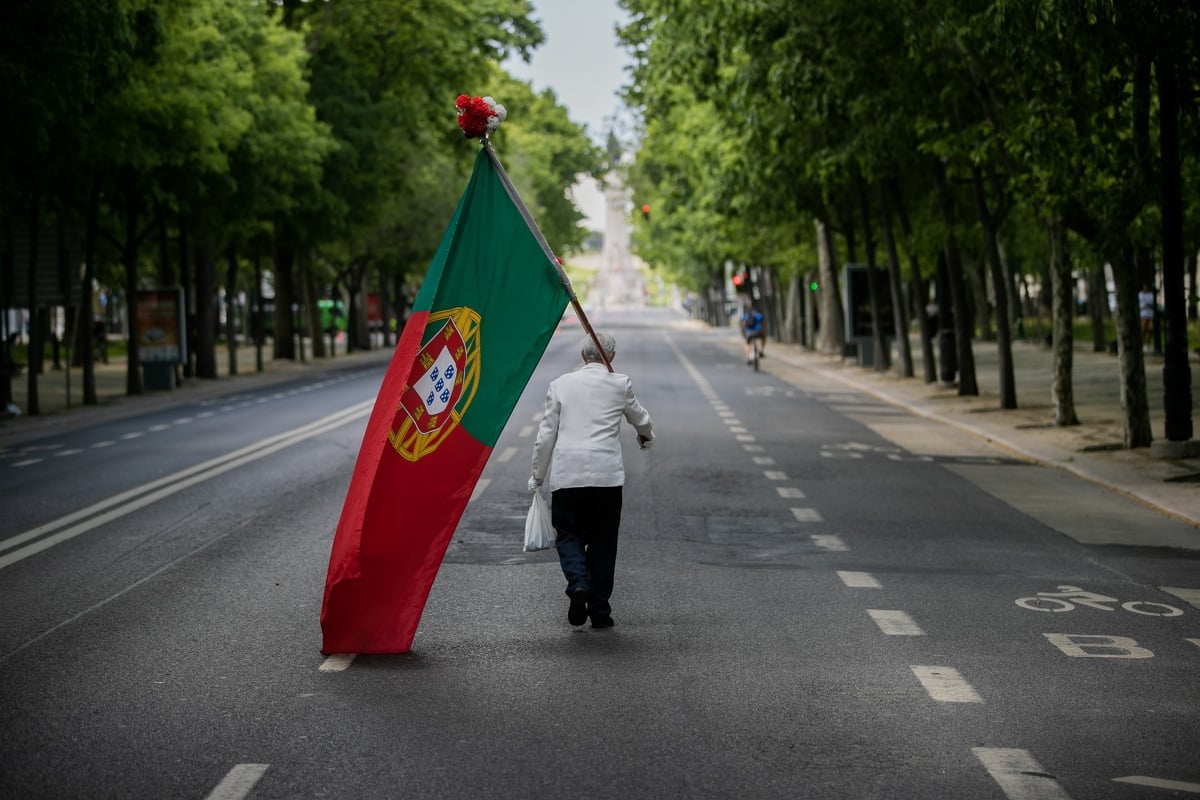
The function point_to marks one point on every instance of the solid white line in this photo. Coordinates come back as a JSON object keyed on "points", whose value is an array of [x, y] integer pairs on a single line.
{"points": [[807, 515], [337, 662], [171, 484], [859, 580], [830, 542], [1160, 783], [479, 489], [945, 685], [789, 491], [774, 474], [1019, 774], [895, 623], [1191, 596], [238, 782], [508, 453]]}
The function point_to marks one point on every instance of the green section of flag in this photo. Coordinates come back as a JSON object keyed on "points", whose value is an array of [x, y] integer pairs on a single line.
{"points": [[490, 260]]}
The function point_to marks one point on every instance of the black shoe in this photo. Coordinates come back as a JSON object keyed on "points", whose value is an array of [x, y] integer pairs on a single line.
{"points": [[603, 622], [577, 613]]}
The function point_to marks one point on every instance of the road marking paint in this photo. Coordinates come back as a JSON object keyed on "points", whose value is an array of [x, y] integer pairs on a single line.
{"points": [[141, 496], [183, 421], [536, 417], [830, 542], [764, 461], [105, 443], [508, 453], [1191, 596], [859, 580], [1160, 783], [62, 453], [895, 623], [1195, 642], [737, 429], [1097, 646], [745, 437], [479, 489], [238, 782], [946, 685], [207, 414], [724, 412], [337, 662], [1019, 774], [528, 429], [807, 515], [753, 448], [134, 435], [27, 462], [774, 474], [790, 492], [157, 428]]}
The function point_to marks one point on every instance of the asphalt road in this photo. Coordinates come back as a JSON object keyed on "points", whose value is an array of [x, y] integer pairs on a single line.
{"points": [[817, 596]]}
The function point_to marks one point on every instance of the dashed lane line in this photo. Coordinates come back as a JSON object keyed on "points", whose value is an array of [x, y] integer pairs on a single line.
{"points": [[1019, 774], [525, 432], [774, 474], [790, 492], [507, 455], [895, 623], [238, 782], [753, 448], [830, 542], [807, 515], [480, 487], [859, 580], [764, 461], [946, 685], [337, 662]]}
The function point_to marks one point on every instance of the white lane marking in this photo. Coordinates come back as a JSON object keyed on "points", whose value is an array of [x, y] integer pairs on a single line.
{"points": [[134, 435], [807, 515], [830, 542], [171, 484], [1088, 645], [183, 421], [528, 429], [157, 428], [207, 414], [745, 437], [764, 461], [508, 453], [859, 580], [537, 417], [238, 782], [1195, 642], [790, 492], [1160, 783], [1191, 596], [61, 453], [337, 662], [105, 443], [753, 448], [774, 474], [27, 462], [946, 685], [723, 411], [1019, 774], [737, 429], [895, 623], [479, 489]]}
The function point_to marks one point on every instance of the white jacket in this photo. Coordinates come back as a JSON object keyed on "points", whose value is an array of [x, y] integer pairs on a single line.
{"points": [[578, 441]]}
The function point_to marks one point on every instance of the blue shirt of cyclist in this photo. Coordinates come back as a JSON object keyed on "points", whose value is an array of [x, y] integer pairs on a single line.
{"points": [[752, 322]]}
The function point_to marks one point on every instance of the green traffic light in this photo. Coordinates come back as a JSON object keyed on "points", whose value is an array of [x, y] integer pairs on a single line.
{"points": [[814, 286]]}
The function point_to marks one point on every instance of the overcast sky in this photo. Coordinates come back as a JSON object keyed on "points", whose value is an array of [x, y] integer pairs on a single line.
{"points": [[584, 66]]}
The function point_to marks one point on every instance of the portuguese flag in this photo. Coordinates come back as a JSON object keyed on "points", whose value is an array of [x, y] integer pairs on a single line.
{"points": [[485, 313]]}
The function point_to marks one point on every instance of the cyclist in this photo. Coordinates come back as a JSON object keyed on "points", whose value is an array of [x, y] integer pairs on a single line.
{"points": [[752, 328]]}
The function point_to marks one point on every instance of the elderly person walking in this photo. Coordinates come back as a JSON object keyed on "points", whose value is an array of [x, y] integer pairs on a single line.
{"points": [[579, 446]]}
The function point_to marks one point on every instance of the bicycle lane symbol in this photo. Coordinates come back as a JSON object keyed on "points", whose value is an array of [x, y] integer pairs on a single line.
{"points": [[1068, 597]]}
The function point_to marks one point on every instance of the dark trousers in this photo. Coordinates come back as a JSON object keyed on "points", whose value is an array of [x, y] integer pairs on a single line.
{"points": [[586, 520]]}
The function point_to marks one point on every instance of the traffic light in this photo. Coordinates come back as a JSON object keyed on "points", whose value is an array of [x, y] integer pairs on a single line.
{"points": [[813, 286], [646, 213]]}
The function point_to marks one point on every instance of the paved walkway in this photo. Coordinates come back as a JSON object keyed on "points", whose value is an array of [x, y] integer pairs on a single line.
{"points": [[1090, 450]]}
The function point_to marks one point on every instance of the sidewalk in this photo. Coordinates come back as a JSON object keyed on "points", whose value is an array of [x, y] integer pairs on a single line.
{"points": [[1091, 450], [57, 415]]}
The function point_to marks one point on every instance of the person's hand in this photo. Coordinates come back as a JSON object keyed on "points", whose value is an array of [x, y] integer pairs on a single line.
{"points": [[645, 442], [534, 484]]}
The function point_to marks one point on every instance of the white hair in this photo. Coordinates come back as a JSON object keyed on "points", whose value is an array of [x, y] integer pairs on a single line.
{"points": [[592, 353]]}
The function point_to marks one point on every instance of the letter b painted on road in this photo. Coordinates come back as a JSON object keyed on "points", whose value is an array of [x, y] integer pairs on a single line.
{"points": [[1094, 646]]}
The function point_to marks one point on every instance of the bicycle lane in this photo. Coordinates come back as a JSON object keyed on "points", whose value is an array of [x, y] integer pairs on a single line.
{"points": [[1087, 701]]}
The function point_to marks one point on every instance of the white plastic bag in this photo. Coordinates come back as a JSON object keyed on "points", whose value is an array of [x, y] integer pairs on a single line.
{"points": [[539, 531]]}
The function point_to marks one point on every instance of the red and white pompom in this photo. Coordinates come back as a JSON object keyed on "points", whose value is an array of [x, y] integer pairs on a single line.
{"points": [[479, 116]]}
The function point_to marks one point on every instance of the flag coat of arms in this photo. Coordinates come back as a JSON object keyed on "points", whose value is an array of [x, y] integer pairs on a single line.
{"points": [[484, 315]]}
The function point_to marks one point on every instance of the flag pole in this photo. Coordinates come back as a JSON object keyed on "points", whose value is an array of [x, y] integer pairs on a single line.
{"points": [[541, 240]]}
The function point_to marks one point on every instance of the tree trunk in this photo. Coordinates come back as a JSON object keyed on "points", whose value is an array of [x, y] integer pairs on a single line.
{"points": [[918, 284], [206, 318], [792, 325], [1177, 375], [312, 313], [189, 297], [1008, 384], [967, 383], [899, 308], [831, 333], [1097, 302], [810, 311], [259, 322], [1062, 391], [882, 357], [86, 299], [1135, 406], [129, 256], [34, 357], [285, 330], [231, 276]]}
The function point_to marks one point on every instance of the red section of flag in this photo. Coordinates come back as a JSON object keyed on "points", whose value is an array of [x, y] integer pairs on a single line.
{"points": [[396, 523]]}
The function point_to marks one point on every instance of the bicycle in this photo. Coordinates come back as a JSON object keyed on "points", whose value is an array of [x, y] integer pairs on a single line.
{"points": [[755, 343]]}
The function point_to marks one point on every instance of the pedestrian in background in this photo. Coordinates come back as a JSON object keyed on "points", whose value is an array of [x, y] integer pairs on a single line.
{"points": [[579, 447], [1146, 312]]}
